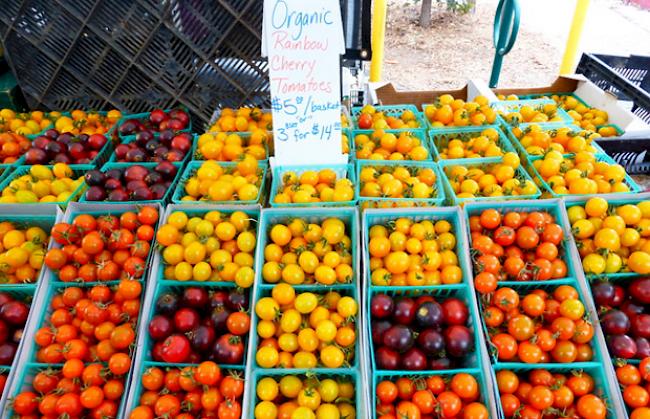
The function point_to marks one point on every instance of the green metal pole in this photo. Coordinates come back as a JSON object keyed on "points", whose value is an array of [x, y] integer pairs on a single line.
{"points": [[506, 26]]}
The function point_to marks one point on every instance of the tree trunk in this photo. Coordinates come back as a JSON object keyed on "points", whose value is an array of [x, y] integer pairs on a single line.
{"points": [[425, 14]]}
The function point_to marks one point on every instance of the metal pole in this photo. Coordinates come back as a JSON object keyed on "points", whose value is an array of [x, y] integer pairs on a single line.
{"points": [[506, 26], [579, 16]]}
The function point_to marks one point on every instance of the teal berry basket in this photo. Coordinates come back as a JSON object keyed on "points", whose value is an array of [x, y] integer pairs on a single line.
{"points": [[509, 106], [343, 171], [612, 202], [78, 171], [379, 376], [41, 318], [150, 166], [419, 134], [136, 389], [484, 163], [26, 294], [437, 128], [601, 385], [145, 116], [619, 131], [550, 128], [388, 218], [347, 133], [99, 160], [340, 376], [440, 138], [460, 291], [350, 290], [229, 167], [552, 206], [634, 188], [523, 289], [110, 134], [394, 111], [547, 96], [254, 218], [99, 210], [178, 288], [132, 138], [29, 364], [24, 221], [245, 136], [25, 377], [271, 217], [387, 166], [7, 169]]}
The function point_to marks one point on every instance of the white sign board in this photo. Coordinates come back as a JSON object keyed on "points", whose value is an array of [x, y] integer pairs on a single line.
{"points": [[303, 41]]}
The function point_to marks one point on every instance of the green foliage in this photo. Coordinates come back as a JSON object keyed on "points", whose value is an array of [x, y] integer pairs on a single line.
{"points": [[455, 6]]}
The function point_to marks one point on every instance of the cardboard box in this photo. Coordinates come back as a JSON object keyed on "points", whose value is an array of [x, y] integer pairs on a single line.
{"points": [[387, 94], [594, 96]]}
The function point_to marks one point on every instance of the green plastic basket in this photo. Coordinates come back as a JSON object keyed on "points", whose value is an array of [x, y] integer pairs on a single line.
{"points": [[547, 96], [144, 116], [26, 294], [254, 215], [388, 217], [601, 386], [6, 169], [341, 376], [25, 377], [124, 166], [136, 390], [78, 171], [413, 167], [245, 136], [432, 127], [193, 166], [613, 202], [461, 291], [110, 134], [391, 110], [419, 134], [552, 206], [473, 163], [523, 288], [619, 131], [178, 286], [441, 137], [132, 138], [99, 160], [271, 217], [41, 317], [548, 191], [351, 290], [28, 353], [342, 171], [377, 377], [507, 106], [24, 221], [102, 209], [546, 127], [348, 132]]}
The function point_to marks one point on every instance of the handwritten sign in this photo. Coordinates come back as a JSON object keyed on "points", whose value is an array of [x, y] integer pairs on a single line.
{"points": [[303, 41]]}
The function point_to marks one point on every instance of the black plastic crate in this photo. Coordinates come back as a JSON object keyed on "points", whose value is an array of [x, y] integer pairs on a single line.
{"points": [[635, 68], [613, 79], [135, 55]]}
